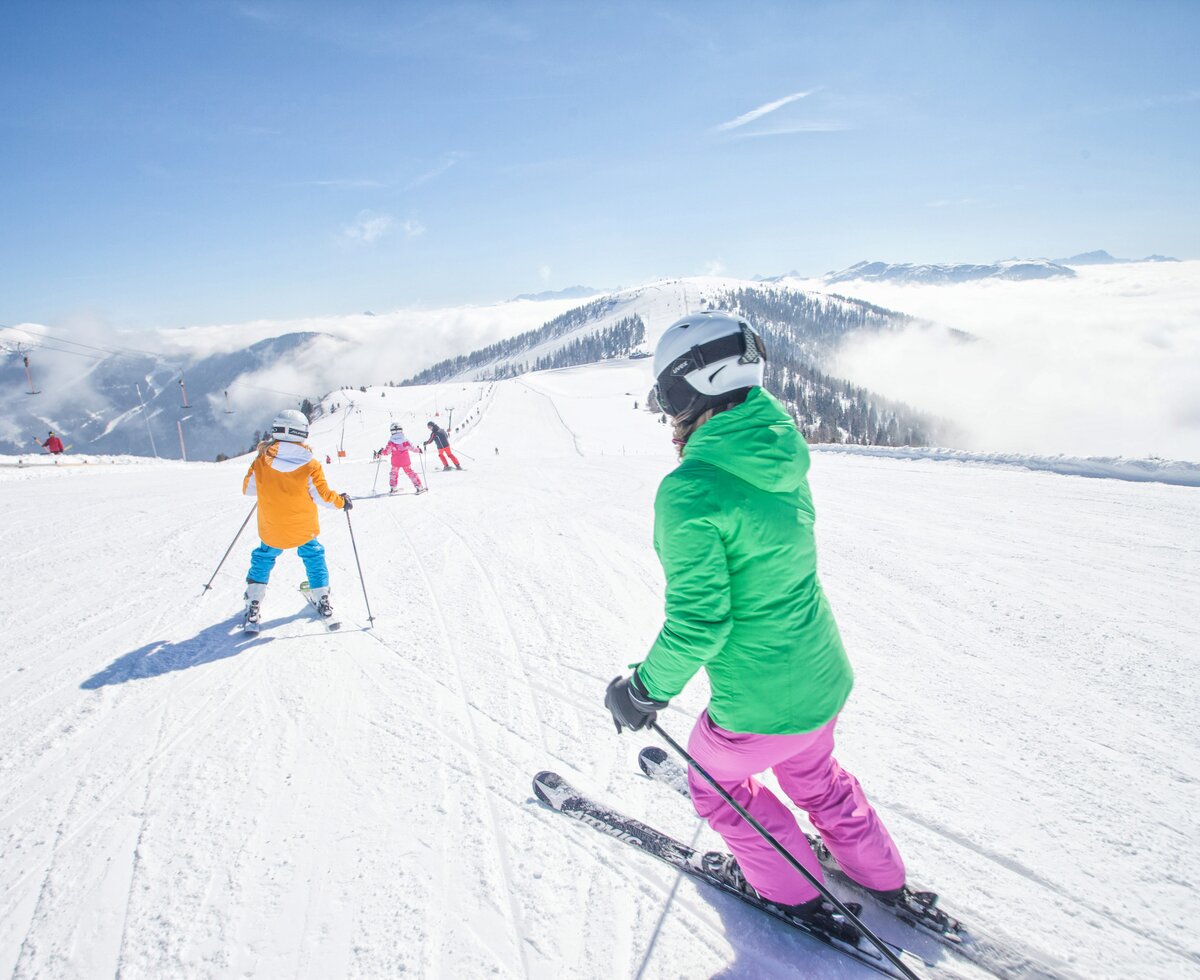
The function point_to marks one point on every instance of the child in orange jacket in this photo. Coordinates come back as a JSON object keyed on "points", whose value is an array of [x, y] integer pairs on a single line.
{"points": [[289, 483]]}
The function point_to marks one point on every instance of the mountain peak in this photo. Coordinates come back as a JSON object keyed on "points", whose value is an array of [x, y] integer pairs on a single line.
{"points": [[1014, 269]]}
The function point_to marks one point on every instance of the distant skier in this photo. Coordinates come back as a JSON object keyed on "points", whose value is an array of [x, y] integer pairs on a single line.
{"points": [[438, 436], [398, 447], [53, 445], [733, 529], [288, 482]]}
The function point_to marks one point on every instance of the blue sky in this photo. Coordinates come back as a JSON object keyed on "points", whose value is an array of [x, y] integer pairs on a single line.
{"points": [[168, 164]]}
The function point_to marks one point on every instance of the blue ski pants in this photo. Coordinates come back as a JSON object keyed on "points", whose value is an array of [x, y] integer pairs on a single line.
{"points": [[312, 553]]}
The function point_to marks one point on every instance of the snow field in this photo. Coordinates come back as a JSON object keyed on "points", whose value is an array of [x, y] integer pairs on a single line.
{"points": [[179, 800]]}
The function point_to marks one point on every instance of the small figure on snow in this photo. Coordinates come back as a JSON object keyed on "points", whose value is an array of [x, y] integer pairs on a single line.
{"points": [[438, 436], [398, 447], [733, 529], [53, 445], [289, 483]]}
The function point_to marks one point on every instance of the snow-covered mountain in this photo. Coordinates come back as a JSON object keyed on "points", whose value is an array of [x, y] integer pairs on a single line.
{"points": [[133, 403], [177, 800], [571, 292], [93, 400], [1101, 257], [1003, 378], [1009, 269], [802, 330]]}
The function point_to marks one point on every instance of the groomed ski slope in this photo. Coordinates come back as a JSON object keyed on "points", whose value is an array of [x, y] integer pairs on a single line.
{"points": [[177, 800]]}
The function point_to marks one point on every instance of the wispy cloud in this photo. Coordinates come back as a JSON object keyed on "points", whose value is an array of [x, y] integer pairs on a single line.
{"points": [[762, 110], [350, 182], [952, 202], [448, 161], [544, 273], [810, 127], [257, 12], [1142, 103], [367, 227]]}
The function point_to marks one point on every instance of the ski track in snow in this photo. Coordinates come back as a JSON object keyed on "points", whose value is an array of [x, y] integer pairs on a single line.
{"points": [[177, 799]]}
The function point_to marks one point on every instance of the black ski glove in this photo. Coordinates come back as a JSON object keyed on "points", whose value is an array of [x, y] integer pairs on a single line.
{"points": [[347, 503], [630, 704]]}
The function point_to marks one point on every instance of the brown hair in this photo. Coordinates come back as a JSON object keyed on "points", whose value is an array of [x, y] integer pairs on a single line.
{"points": [[682, 429]]}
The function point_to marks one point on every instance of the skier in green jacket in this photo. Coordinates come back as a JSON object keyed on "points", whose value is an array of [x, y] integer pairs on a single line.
{"points": [[733, 528]]}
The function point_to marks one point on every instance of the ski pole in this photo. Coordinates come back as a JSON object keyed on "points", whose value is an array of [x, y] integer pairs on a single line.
{"points": [[375, 482], [787, 855], [370, 618], [230, 548], [424, 478]]}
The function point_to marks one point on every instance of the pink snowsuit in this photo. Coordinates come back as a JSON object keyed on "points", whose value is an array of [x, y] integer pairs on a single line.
{"points": [[399, 447]]}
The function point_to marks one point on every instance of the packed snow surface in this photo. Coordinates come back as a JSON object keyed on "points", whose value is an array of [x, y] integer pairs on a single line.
{"points": [[177, 799]]}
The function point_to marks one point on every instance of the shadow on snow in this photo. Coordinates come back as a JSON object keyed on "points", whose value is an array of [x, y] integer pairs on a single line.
{"points": [[217, 642]]}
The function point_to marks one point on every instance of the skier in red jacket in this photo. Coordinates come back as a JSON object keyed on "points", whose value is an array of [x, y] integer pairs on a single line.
{"points": [[53, 445]]}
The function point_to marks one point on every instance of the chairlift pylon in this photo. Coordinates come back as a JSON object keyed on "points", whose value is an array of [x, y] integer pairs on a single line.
{"points": [[28, 376]]}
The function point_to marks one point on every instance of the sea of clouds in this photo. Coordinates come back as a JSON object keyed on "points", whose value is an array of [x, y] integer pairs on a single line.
{"points": [[1104, 364]]}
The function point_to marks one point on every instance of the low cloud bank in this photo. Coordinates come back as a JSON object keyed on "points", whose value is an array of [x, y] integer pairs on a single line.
{"points": [[1106, 364], [360, 349]]}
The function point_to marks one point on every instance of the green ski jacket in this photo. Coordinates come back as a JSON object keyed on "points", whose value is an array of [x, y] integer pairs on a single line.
{"points": [[733, 528]]}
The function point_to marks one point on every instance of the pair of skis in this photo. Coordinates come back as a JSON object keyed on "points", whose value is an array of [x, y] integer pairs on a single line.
{"points": [[331, 623], [917, 909]]}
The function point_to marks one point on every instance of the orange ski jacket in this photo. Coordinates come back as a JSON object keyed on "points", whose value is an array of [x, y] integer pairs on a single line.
{"points": [[289, 483]]}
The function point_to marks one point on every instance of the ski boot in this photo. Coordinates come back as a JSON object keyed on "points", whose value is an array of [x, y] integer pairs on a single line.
{"points": [[457, 467], [392, 490], [920, 907], [251, 619], [724, 868], [823, 915], [319, 598], [446, 468], [818, 913]]}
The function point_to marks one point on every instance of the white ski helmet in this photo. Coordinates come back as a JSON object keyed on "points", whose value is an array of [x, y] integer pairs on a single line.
{"points": [[704, 358], [290, 425], [397, 427]]}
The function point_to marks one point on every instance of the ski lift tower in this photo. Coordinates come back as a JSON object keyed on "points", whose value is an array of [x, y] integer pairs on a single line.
{"points": [[182, 447], [29, 377], [22, 351]]}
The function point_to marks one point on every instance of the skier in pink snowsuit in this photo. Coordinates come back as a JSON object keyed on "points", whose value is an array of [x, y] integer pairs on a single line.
{"points": [[398, 448]]}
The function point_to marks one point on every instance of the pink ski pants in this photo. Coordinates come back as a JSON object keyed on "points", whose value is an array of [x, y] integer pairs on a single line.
{"points": [[394, 478], [811, 777]]}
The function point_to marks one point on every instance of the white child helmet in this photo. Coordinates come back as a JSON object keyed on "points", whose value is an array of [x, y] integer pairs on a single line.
{"points": [[290, 426], [397, 427], [704, 358]]}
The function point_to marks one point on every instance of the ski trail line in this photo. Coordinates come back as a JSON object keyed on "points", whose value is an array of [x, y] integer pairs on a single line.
{"points": [[512, 633], [516, 920], [557, 414], [662, 916], [1009, 864]]}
